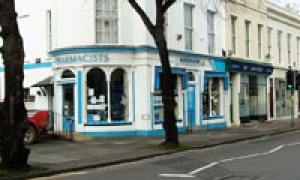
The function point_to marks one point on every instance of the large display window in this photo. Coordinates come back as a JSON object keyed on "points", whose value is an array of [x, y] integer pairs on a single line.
{"points": [[282, 98], [107, 101], [158, 104], [97, 100], [212, 97], [119, 95], [253, 97]]}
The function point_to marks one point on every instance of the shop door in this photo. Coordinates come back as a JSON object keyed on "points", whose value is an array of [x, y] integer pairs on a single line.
{"points": [[191, 106], [68, 108]]}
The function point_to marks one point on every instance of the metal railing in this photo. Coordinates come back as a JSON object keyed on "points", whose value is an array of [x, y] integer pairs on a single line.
{"points": [[61, 127]]}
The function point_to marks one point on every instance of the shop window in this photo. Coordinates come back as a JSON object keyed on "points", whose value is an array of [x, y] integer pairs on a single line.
{"points": [[68, 74], [158, 104], [212, 97], [27, 96], [191, 77], [119, 95], [97, 107]]}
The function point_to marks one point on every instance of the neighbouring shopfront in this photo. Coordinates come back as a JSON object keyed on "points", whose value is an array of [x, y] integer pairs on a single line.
{"points": [[111, 92], [252, 88], [282, 97]]}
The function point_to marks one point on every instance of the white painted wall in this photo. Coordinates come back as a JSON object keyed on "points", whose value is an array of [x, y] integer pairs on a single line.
{"points": [[280, 19], [74, 25]]}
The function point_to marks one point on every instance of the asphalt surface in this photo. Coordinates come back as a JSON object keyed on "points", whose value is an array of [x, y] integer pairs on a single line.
{"points": [[268, 158]]}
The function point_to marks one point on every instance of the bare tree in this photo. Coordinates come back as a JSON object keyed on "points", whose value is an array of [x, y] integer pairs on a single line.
{"points": [[13, 115], [157, 32]]}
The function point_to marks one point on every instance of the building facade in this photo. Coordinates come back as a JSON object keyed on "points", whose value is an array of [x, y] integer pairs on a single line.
{"points": [[283, 38], [96, 67], [106, 69], [249, 71]]}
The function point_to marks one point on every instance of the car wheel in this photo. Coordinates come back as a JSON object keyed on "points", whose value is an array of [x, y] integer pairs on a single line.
{"points": [[30, 135]]}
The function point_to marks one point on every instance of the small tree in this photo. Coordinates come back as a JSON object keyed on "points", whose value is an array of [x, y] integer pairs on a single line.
{"points": [[13, 116]]}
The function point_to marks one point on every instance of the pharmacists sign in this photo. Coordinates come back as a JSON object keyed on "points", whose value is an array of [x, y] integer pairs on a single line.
{"points": [[82, 58]]}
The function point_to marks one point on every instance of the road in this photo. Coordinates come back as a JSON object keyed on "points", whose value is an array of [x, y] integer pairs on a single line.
{"points": [[268, 158]]}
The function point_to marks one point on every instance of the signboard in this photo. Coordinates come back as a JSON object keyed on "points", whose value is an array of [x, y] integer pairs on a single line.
{"points": [[250, 68], [82, 58], [194, 62]]}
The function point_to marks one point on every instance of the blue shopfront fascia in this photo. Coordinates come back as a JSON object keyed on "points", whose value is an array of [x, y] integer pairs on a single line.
{"points": [[153, 132], [176, 71]]}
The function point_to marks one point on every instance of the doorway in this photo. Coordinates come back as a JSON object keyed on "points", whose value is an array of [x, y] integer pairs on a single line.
{"points": [[68, 108]]}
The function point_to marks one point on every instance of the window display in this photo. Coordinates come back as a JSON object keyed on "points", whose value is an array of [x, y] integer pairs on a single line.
{"points": [[119, 95], [212, 97], [96, 95], [107, 104], [158, 104]]}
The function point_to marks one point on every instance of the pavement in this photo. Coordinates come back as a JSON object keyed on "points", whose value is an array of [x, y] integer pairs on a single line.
{"points": [[60, 156]]}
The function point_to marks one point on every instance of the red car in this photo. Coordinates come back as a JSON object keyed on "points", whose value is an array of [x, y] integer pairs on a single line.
{"points": [[37, 121]]}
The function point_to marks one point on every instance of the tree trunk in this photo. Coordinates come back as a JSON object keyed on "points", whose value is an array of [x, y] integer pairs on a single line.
{"points": [[13, 117], [168, 87]]}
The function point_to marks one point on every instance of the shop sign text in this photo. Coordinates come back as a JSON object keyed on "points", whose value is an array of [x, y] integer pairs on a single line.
{"points": [[81, 58], [193, 62], [240, 67]]}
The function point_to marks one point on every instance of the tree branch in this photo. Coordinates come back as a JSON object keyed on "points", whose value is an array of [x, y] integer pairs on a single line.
{"points": [[168, 4], [143, 16]]}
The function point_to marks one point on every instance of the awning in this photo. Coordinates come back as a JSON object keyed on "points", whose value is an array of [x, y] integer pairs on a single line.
{"points": [[44, 83]]}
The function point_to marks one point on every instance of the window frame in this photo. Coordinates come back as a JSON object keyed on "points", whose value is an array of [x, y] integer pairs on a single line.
{"points": [[189, 43], [289, 50], [270, 30], [259, 40], [211, 34], [279, 45], [233, 34], [247, 38], [115, 19]]}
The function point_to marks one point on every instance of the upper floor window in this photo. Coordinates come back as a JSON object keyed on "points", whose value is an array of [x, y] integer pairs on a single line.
{"points": [[298, 51], [269, 42], [247, 38], [279, 44], [289, 37], [188, 26], [259, 33], [107, 21], [233, 34], [211, 31], [49, 29]]}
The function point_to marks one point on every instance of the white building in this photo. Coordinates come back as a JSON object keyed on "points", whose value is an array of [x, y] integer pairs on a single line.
{"points": [[283, 50], [106, 69]]}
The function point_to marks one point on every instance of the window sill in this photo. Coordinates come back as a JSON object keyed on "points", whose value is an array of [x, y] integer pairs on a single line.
{"points": [[212, 117], [160, 121], [103, 123]]}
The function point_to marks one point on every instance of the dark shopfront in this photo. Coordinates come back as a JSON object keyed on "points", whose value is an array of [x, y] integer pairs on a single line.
{"points": [[252, 101]]}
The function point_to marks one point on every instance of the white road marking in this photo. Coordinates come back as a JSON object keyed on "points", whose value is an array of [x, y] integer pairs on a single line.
{"points": [[203, 168], [192, 173], [177, 175], [78, 173]]}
